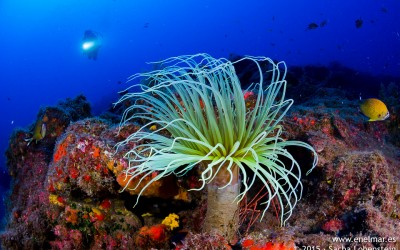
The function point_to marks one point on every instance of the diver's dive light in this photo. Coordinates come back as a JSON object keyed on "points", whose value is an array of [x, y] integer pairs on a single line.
{"points": [[91, 44], [88, 45]]}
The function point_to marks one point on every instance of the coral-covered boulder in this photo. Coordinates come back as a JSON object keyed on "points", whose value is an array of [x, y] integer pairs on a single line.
{"points": [[83, 161], [27, 162]]}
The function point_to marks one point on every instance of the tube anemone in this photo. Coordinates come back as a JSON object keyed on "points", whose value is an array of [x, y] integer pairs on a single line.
{"points": [[199, 101]]}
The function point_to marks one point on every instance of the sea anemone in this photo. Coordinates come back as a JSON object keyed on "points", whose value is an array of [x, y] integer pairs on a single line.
{"points": [[199, 101]]}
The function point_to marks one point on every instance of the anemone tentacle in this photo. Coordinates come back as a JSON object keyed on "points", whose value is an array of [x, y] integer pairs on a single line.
{"points": [[220, 132]]}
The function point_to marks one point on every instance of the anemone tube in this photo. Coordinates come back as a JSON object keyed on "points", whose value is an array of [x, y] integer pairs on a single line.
{"points": [[221, 137]]}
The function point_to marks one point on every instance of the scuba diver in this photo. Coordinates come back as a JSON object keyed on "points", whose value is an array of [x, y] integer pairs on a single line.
{"points": [[91, 44]]}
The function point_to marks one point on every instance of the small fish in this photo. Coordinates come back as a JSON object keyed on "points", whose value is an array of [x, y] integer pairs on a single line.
{"points": [[39, 132], [323, 23], [359, 22], [374, 109], [312, 26]]}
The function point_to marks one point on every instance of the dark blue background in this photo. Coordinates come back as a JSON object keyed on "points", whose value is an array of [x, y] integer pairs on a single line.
{"points": [[41, 60]]}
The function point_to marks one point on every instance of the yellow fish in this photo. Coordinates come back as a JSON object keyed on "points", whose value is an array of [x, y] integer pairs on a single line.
{"points": [[374, 109], [39, 132]]}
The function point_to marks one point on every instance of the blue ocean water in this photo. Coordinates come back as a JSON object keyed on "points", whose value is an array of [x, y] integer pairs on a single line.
{"points": [[42, 62]]}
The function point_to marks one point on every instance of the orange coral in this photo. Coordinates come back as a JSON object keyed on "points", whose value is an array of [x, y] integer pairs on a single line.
{"points": [[125, 180], [333, 225], [105, 204], [87, 178], [96, 152], [155, 236], [61, 150], [71, 215], [155, 233], [247, 243]]}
